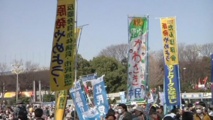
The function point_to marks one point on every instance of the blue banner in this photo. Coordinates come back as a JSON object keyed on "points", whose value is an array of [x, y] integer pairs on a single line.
{"points": [[79, 100], [172, 86], [100, 96], [212, 77], [122, 97], [92, 114], [89, 77]]}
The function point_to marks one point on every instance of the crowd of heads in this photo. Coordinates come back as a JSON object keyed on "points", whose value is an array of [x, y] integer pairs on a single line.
{"points": [[195, 111], [22, 111]]}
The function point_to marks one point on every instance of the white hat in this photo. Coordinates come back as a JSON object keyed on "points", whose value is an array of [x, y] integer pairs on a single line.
{"points": [[139, 108]]}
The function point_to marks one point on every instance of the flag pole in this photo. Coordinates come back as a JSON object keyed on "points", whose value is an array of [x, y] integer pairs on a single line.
{"points": [[212, 77], [147, 55], [77, 47], [76, 55], [76, 58]]}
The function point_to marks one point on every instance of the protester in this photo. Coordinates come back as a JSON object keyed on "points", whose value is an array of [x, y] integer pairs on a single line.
{"points": [[173, 115], [187, 116], [38, 114], [21, 112], [210, 112], [200, 112], [74, 115], [154, 116], [110, 116], [160, 112], [123, 113], [138, 113]]}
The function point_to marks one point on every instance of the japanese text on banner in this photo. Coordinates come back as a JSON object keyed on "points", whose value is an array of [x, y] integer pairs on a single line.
{"points": [[137, 58], [64, 45], [168, 26], [80, 102], [172, 95], [100, 97]]}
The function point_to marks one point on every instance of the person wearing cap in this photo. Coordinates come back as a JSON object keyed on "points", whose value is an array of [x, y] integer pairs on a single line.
{"points": [[200, 112], [138, 113]]}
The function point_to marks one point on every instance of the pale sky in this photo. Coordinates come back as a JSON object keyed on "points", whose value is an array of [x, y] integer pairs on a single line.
{"points": [[26, 26]]}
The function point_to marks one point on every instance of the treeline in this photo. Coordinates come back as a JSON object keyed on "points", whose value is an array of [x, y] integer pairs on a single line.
{"points": [[194, 61]]}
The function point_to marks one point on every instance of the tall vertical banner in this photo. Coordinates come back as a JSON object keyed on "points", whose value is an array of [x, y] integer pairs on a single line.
{"points": [[168, 27], [79, 99], [172, 92], [62, 95], [61, 103], [63, 48], [137, 58], [212, 77], [171, 69], [100, 96]]}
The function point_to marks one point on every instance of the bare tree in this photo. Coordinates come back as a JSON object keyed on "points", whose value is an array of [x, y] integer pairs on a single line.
{"points": [[27, 73], [3, 68], [156, 65], [206, 49], [31, 67], [191, 53], [119, 52], [30, 74], [181, 52]]}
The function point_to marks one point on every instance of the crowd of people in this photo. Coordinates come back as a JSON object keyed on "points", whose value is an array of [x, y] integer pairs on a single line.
{"points": [[22, 111], [197, 111]]}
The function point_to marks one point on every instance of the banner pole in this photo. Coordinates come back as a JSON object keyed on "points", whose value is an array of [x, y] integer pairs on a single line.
{"points": [[56, 96], [76, 58], [212, 77], [127, 90], [164, 91], [178, 68], [147, 65], [77, 47], [179, 84]]}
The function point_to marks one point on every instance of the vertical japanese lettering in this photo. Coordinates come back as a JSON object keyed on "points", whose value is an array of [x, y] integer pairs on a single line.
{"points": [[137, 58]]}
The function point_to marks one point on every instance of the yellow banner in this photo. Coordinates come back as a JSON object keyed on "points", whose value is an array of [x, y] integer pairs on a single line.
{"points": [[60, 104], [170, 45], [63, 48], [61, 96]]}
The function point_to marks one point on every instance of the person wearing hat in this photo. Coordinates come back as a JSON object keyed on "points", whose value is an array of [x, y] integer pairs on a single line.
{"points": [[138, 113], [200, 112]]}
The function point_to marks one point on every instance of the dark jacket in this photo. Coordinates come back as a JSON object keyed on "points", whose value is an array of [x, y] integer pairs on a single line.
{"points": [[127, 116]]}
